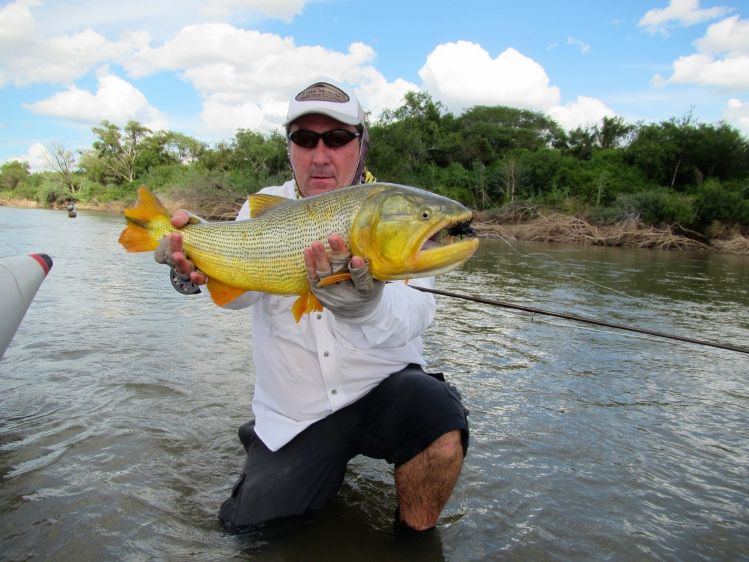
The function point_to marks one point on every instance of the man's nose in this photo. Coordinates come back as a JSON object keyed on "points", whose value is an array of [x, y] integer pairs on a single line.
{"points": [[320, 153]]}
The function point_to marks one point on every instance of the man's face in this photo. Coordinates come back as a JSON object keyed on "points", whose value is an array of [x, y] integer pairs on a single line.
{"points": [[323, 168]]}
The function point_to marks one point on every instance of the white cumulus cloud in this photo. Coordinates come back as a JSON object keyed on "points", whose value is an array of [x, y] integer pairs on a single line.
{"points": [[730, 72], [464, 74], [730, 35], [29, 56], [37, 156], [583, 112], [680, 12], [284, 10], [737, 114], [245, 77], [115, 100], [722, 59], [44, 42]]}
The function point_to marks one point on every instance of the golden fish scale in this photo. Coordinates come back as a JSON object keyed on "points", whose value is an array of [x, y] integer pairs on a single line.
{"points": [[266, 253]]}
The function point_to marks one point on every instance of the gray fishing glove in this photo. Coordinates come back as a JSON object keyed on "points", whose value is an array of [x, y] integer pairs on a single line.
{"points": [[162, 254], [180, 282], [349, 299]]}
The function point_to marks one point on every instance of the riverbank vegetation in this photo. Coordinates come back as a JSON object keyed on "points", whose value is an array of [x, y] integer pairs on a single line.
{"points": [[673, 184]]}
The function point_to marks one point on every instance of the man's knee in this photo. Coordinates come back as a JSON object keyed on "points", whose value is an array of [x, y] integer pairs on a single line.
{"points": [[448, 446], [445, 451]]}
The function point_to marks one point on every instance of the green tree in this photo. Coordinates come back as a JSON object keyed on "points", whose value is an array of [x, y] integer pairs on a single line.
{"points": [[655, 151], [264, 155], [407, 139], [580, 143], [119, 150], [612, 133], [680, 153], [720, 152], [63, 163], [92, 167], [717, 202], [167, 148], [13, 173], [488, 132], [550, 175]]}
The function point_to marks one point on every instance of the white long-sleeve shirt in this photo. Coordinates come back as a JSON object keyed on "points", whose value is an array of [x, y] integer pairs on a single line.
{"points": [[310, 369]]}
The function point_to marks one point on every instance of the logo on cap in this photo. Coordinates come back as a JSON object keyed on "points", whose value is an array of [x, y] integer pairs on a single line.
{"points": [[322, 91]]}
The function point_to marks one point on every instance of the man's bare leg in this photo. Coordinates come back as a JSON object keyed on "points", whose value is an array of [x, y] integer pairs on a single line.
{"points": [[425, 482]]}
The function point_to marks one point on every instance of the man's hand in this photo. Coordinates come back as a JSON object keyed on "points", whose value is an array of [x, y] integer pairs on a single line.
{"points": [[171, 251], [352, 298]]}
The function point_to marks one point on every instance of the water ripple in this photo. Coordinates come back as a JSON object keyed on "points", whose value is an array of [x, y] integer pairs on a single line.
{"points": [[119, 403]]}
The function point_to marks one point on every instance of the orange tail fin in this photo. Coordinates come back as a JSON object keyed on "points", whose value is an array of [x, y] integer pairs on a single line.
{"points": [[148, 221]]}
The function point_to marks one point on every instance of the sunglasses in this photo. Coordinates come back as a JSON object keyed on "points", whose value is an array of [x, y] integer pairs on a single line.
{"points": [[332, 139]]}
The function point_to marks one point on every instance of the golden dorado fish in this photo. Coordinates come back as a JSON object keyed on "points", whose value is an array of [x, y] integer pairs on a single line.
{"points": [[403, 232]]}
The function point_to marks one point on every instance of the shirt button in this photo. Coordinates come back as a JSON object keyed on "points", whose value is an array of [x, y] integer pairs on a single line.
{"points": [[326, 353], [319, 316], [334, 391]]}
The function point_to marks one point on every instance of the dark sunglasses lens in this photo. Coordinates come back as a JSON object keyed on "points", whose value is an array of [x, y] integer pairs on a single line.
{"points": [[305, 139], [332, 139], [338, 137]]}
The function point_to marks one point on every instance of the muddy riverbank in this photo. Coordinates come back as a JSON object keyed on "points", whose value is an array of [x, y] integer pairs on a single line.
{"points": [[554, 227]]}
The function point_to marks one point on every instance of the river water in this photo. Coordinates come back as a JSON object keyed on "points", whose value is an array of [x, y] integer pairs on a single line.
{"points": [[120, 399]]}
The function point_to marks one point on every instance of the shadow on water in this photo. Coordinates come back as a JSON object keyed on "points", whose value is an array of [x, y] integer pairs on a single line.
{"points": [[120, 400]]}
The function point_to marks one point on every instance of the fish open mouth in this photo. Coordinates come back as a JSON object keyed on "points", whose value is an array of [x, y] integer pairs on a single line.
{"points": [[450, 234]]}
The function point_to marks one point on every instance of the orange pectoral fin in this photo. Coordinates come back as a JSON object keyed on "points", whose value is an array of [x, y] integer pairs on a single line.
{"points": [[221, 293], [333, 279], [306, 303]]}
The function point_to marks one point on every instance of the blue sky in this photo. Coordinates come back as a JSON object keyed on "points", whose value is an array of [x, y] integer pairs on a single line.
{"points": [[208, 67]]}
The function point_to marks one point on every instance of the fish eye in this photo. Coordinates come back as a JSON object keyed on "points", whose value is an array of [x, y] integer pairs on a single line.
{"points": [[425, 213]]}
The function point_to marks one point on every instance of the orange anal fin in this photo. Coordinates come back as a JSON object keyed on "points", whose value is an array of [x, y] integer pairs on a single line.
{"points": [[306, 303], [135, 238], [338, 277], [221, 293]]}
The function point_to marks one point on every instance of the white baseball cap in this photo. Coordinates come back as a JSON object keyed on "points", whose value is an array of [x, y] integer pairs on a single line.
{"points": [[333, 100]]}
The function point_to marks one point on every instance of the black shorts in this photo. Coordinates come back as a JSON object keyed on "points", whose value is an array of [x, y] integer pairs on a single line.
{"points": [[395, 421]]}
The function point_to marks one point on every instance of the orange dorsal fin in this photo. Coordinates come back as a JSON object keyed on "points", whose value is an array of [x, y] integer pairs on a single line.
{"points": [[221, 293], [306, 303], [261, 202]]}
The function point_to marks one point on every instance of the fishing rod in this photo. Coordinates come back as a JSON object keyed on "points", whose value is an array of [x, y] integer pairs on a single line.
{"points": [[576, 318]]}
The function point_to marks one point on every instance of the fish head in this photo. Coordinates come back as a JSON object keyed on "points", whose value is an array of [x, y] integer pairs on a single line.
{"points": [[404, 232]]}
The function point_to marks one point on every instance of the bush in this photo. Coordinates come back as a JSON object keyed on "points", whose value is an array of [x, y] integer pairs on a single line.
{"points": [[609, 215], [51, 194], [716, 202], [513, 213], [657, 207], [93, 191]]}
